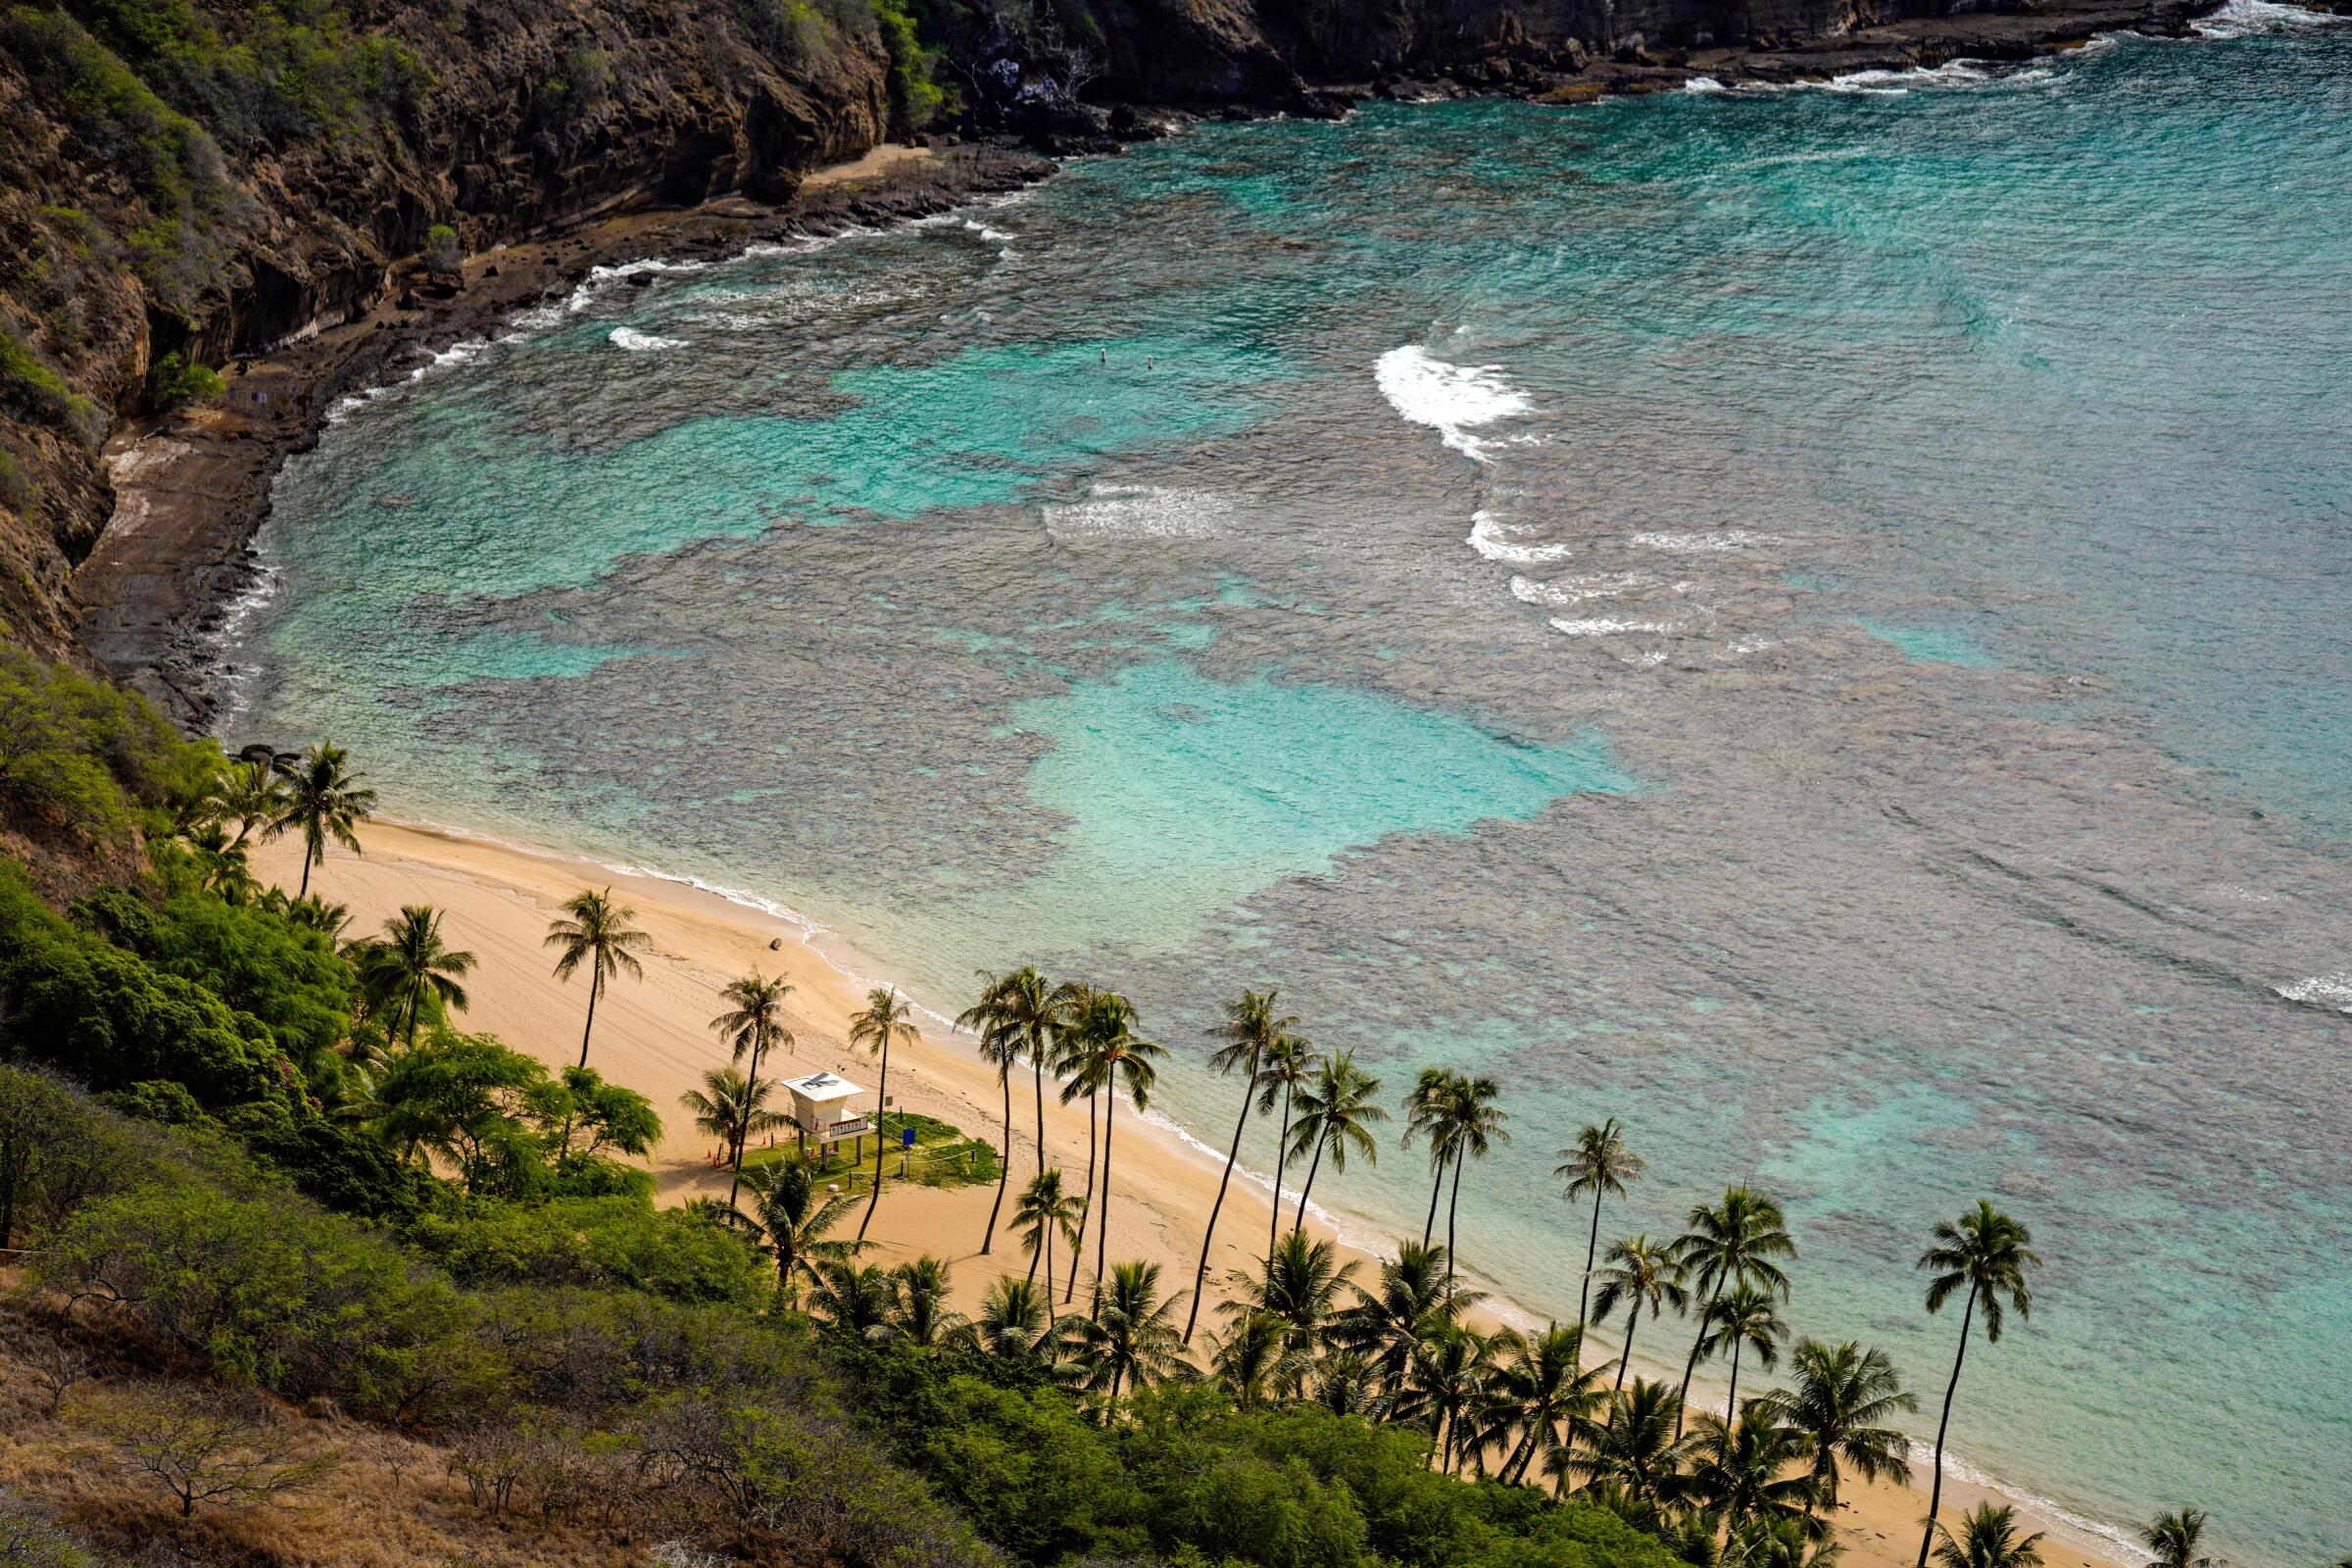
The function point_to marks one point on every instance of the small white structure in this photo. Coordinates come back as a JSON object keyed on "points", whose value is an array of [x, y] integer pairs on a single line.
{"points": [[828, 1108]]}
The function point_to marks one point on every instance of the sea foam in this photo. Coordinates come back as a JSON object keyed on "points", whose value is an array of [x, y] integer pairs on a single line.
{"points": [[1487, 538], [1451, 399], [636, 342]]}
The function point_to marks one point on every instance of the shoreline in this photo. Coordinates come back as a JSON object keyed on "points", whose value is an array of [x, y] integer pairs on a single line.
{"points": [[496, 896], [192, 489]]}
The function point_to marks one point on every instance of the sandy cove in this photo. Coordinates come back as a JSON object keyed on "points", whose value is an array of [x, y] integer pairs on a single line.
{"points": [[654, 1036]]}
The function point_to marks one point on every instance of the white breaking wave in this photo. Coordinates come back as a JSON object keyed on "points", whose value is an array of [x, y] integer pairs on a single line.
{"points": [[2322, 991], [1485, 537], [1703, 84], [1603, 626], [2245, 18], [456, 354], [1695, 543], [1563, 592], [1451, 399], [636, 342], [1140, 512]]}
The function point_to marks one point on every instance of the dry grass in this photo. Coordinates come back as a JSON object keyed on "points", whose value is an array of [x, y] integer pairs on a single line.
{"points": [[388, 1504]]}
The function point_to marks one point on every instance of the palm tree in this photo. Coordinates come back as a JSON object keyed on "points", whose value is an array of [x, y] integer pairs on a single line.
{"points": [[1639, 1449], [1001, 1050], [794, 1224], [1640, 1273], [1751, 1468], [325, 799], [1473, 1124], [1987, 1253], [598, 932], [1987, 1539], [252, 796], [1738, 1241], [730, 1107], [1129, 1339], [220, 863], [1425, 1116], [1387, 1326], [752, 1025], [1290, 1061], [1334, 1113], [1743, 1318], [1044, 1209], [887, 1018], [410, 959], [1449, 1381], [1599, 1163], [920, 1314], [1254, 1355], [1782, 1544], [1248, 1031], [1541, 1394], [1843, 1395], [1016, 1320], [856, 1301], [1301, 1287], [1019, 1015], [1107, 1055], [2173, 1539]]}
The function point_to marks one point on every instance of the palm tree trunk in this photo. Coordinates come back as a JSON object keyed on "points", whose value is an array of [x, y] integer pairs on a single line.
{"points": [[416, 997], [1048, 1250], [596, 983], [1453, 1206], [881, 1101], [1312, 1166], [309, 855], [1037, 1062], [1233, 1153], [1682, 1406], [1044, 1241], [1584, 1301], [1936, 1492], [1632, 1321], [1282, 1158], [1003, 1167], [742, 1130], [1110, 1110], [1731, 1408], [1086, 1209], [1435, 1188]]}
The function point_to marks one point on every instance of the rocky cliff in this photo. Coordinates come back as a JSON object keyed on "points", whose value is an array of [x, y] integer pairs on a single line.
{"points": [[182, 181], [185, 182]]}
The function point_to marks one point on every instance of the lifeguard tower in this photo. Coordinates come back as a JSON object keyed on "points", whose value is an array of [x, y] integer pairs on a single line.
{"points": [[828, 1110]]}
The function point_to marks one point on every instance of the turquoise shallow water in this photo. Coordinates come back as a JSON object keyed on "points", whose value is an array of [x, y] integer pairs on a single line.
{"points": [[1810, 621]]}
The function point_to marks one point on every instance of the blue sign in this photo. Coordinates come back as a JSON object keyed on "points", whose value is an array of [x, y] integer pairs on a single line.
{"points": [[905, 1137]]}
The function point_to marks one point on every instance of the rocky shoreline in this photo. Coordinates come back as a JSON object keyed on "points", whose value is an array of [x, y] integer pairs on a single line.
{"points": [[191, 489]]}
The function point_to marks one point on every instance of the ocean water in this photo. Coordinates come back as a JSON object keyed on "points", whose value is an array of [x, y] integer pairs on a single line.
{"points": [[1812, 622]]}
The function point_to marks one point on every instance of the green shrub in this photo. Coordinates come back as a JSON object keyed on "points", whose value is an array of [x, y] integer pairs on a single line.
{"points": [[618, 1242], [71, 1000], [441, 250], [81, 758], [29, 383], [916, 99], [174, 381], [266, 1289]]}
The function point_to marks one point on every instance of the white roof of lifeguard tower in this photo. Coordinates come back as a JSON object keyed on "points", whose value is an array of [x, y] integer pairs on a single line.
{"points": [[819, 1087]]}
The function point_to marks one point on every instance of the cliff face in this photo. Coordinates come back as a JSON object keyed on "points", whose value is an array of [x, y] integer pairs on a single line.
{"points": [[204, 178]]}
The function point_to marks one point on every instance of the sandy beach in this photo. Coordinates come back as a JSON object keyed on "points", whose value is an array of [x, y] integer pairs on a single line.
{"points": [[654, 1036]]}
